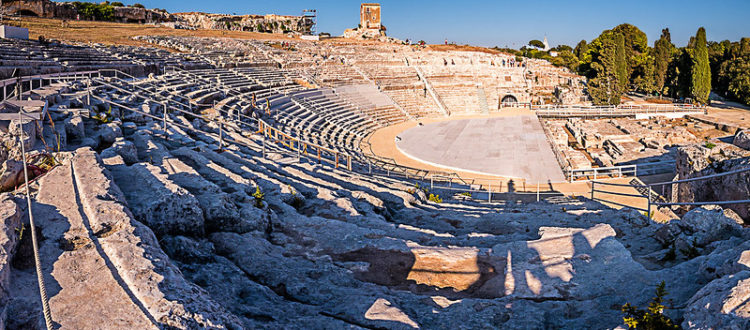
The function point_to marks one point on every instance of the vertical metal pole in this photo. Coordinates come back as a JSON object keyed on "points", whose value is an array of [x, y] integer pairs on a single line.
{"points": [[88, 92], [592, 189], [489, 192], [537, 191], [264, 144], [164, 121], [221, 136], [432, 182], [649, 203]]}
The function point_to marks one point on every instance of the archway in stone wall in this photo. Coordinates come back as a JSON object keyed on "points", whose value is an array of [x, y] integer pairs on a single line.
{"points": [[26, 12], [508, 100]]}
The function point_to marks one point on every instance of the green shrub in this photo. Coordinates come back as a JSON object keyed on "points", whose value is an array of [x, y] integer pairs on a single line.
{"points": [[652, 317], [95, 11], [435, 198], [466, 193], [710, 145], [258, 195]]}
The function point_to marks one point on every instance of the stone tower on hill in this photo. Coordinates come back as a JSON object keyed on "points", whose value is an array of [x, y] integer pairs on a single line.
{"points": [[369, 16]]}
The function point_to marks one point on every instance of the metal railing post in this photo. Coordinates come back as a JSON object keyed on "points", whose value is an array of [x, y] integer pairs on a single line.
{"points": [[88, 92], [164, 121], [648, 214], [221, 136], [537, 191], [489, 192], [592, 189], [264, 144]]}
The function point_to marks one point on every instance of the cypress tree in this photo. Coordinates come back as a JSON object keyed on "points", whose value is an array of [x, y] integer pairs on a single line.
{"points": [[605, 88], [701, 73], [663, 50]]}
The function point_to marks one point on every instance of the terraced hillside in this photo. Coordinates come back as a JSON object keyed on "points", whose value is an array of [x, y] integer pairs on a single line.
{"points": [[157, 204]]}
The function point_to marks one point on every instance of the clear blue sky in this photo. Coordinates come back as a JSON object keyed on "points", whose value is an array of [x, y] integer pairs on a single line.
{"points": [[501, 22]]}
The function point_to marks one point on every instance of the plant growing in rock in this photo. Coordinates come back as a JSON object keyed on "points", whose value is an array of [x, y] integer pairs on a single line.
{"points": [[258, 195], [651, 318], [297, 202], [671, 254], [435, 198], [20, 231], [710, 145], [690, 251]]}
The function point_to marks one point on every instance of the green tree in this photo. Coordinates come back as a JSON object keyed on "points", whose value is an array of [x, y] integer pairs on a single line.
{"points": [[701, 73], [663, 50], [536, 43], [643, 76], [684, 73], [636, 47], [736, 72], [621, 63], [567, 59], [604, 85]]}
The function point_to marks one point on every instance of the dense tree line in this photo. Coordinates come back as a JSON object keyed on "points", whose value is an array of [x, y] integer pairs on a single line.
{"points": [[620, 60], [103, 11]]}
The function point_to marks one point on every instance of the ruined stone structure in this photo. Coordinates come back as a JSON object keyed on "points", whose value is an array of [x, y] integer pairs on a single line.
{"points": [[369, 16]]}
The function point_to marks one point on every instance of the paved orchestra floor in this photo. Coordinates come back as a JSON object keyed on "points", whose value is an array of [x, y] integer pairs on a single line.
{"points": [[512, 146]]}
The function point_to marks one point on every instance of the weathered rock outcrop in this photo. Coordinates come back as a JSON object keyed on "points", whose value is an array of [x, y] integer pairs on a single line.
{"points": [[255, 23], [103, 266], [157, 202], [722, 304], [742, 139], [11, 174], [10, 233], [53, 9], [696, 161]]}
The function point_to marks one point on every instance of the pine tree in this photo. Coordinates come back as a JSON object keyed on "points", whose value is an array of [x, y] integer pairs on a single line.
{"points": [[663, 50], [621, 63], [701, 73]]}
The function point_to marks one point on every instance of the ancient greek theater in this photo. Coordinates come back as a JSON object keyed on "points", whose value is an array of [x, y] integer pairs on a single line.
{"points": [[399, 165]]}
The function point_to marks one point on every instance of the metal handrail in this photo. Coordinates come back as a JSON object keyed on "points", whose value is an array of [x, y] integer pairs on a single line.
{"points": [[649, 190], [41, 77]]}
